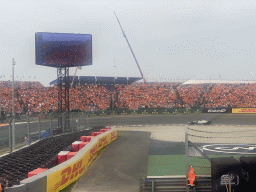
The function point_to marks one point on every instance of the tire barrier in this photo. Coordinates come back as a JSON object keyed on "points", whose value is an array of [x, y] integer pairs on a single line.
{"points": [[60, 176], [15, 167]]}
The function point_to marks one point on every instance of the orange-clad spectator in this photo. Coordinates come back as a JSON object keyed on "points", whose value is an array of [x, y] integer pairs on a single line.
{"points": [[33, 97], [191, 176]]}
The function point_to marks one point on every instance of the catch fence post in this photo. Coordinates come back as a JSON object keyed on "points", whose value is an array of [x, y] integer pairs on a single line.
{"points": [[72, 124], [78, 121], [51, 125], [10, 135], [186, 152], [39, 127], [84, 121], [28, 138], [87, 120], [63, 122]]}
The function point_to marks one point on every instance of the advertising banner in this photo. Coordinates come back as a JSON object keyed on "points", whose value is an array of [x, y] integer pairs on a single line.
{"points": [[60, 179], [103, 141], [92, 153], [113, 135], [243, 110], [218, 110]]}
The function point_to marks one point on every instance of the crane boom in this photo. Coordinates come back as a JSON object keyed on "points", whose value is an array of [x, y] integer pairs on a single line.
{"points": [[131, 49], [74, 78]]}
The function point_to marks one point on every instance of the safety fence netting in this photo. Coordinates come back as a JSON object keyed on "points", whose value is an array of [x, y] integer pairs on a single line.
{"points": [[205, 142], [15, 166], [23, 130]]}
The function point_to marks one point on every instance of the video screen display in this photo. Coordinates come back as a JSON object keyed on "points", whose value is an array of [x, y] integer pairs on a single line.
{"points": [[63, 49]]}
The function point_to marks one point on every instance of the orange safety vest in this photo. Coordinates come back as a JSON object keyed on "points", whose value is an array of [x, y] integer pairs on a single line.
{"points": [[191, 176], [0, 187]]}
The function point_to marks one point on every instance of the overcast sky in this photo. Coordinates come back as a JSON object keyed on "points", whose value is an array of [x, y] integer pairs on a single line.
{"points": [[197, 39]]}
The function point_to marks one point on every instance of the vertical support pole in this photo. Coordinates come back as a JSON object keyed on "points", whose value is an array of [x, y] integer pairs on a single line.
{"points": [[63, 96], [67, 97], [51, 126], [59, 81], [87, 121], [63, 124], [153, 186], [28, 131], [10, 135], [13, 109], [39, 127], [78, 121], [72, 120], [186, 151]]}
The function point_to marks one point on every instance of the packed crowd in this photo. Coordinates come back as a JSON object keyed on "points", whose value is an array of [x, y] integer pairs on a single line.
{"points": [[147, 95], [190, 94], [230, 95], [33, 97]]}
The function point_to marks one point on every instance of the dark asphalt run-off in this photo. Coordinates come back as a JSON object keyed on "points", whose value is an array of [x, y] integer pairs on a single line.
{"points": [[120, 166]]}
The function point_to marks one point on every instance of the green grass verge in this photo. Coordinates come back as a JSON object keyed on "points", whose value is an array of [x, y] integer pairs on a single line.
{"points": [[169, 165], [165, 165]]}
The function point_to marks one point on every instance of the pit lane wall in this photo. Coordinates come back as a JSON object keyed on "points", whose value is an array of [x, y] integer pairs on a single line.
{"points": [[62, 175]]}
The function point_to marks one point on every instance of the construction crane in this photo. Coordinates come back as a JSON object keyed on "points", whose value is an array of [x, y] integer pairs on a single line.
{"points": [[131, 50], [73, 78], [78, 67]]}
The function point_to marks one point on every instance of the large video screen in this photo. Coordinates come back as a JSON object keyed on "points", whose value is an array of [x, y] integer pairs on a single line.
{"points": [[63, 49]]}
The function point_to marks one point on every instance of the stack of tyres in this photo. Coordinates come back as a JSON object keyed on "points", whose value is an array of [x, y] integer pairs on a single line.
{"points": [[68, 148], [14, 167], [51, 162]]}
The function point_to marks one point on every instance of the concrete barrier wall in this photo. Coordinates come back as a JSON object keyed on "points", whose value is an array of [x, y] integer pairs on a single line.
{"points": [[62, 175], [145, 111]]}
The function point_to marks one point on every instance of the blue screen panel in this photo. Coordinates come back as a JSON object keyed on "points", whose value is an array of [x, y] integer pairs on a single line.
{"points": [[63, 49]]}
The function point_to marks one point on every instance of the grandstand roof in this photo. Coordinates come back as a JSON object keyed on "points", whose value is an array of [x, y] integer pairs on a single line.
{"points": [[216, 82], [100, 80]]}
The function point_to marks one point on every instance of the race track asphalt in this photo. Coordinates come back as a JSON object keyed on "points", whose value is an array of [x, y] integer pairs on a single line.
{"points": [[119, 167], [230, 119]]}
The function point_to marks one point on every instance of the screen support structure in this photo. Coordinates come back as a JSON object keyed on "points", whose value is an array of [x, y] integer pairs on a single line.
{"points": [[63, 98]]}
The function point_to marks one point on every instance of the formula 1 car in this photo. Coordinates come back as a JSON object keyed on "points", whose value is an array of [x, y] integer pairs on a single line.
{"points": [[200, 122]]}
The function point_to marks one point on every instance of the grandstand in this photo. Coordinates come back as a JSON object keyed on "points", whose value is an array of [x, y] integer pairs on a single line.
{"points": [[33, 97]]}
